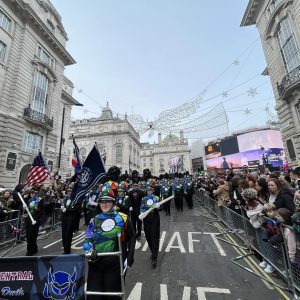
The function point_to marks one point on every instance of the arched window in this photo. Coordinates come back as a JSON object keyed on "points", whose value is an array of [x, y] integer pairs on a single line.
{"points": [[118, 154], [40, 92], [83, 153]]}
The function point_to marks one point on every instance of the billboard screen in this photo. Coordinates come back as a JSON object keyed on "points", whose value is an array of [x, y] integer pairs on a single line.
{"points": [[275, 157], [229, 146], [212, 151], [257, 139]]}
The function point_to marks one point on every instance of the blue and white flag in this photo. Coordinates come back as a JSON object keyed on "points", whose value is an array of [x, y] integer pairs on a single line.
{"points": [[91, 173]]}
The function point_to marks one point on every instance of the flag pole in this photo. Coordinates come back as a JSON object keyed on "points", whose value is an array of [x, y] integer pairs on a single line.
{"points": [[96, 145]]}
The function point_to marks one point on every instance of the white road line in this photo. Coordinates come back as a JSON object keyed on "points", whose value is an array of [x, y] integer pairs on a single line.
{"points": [[180, 246], [186, 293], [220, 249], [49, 245], [162, 239], [136, 293], [202, 290], [163, 292]]}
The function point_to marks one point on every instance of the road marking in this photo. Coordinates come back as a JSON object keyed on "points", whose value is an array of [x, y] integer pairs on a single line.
{"points": [[202, 290], [75, 239], [162, 239], [186, 293], [136, 292], [163, 292], [175, 236], [220, 249]]}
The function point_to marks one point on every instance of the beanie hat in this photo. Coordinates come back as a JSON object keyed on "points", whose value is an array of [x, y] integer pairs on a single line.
{"points": [[249, 193]]}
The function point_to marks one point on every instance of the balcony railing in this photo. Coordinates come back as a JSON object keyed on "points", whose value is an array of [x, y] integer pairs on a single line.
{"points": [[38, 118], [288, 81]]}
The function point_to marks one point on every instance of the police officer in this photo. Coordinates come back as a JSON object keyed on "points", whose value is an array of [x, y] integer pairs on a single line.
{"points": [[35, 206], [101, 236], [68, 221], [151, 222]]}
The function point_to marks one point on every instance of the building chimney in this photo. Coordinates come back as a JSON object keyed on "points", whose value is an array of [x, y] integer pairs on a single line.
{"points": [[159, 138]]}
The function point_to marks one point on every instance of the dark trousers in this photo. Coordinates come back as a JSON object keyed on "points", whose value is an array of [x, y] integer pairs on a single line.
{"points": [[189, 200], [152, 232], [136, 223], [31, 236], [104, 276], [67, 228], [179, 201]]}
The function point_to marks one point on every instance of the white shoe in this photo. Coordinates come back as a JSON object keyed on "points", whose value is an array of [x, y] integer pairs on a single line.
{"points": [[263, 264], [269, 269]]}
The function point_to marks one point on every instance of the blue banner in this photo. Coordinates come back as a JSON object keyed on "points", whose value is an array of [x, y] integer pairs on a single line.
{"points": [[90, 174], [45, 277]]}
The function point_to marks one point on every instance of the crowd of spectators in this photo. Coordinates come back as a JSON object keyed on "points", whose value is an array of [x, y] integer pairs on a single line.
{"points": [[271, 202]]}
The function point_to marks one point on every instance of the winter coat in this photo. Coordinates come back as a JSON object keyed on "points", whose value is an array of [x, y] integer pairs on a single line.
{"points": [[285, 199], [222, 193], [253, 215]]}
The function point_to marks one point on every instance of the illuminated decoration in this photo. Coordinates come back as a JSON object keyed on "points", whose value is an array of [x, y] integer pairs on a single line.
{"points": [[252, 92]]}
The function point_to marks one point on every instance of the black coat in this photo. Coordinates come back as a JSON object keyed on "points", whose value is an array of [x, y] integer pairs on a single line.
{"points": [[285, 199]]}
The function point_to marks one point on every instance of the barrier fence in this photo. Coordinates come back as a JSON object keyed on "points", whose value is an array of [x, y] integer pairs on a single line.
{"points": [[253, 240], [13, 229]]}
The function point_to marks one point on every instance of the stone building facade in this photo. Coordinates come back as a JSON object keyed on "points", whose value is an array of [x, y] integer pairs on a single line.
{"points": [[36, 98], [278, 23], [169, 155], [117, 140]]}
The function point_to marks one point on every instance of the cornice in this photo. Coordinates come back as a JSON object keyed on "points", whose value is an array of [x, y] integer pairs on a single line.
{"points": [[251, 12], [70, 99], [29, 15]]}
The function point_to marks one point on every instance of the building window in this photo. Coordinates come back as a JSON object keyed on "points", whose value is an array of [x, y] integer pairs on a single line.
{"points": [[32, 142], [151, 159], [4, 22], [50, 26], [44, 56], [151, 164], [2, 52], [83, 153], [144, 165], [288, 47], [161, 163], [144, 158], [40, 92], [291, 149], [119, 154]]}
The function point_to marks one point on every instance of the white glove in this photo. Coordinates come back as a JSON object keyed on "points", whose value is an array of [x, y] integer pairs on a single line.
{"points": [[91, 202], [157, 205], [130, 208], [64, 210]]}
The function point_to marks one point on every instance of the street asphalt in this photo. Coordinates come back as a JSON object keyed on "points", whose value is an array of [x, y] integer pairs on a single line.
{"points": [[192, 263]]}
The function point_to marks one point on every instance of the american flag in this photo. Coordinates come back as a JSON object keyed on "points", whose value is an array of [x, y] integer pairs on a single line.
{"points": [[38, 171]]}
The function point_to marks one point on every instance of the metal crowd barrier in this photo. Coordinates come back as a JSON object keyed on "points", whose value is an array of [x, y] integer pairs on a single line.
{"points": [[240, 226], [123, 270], [9, 231]]}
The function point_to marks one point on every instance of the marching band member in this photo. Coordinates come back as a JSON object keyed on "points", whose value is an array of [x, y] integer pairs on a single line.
{"points": [[151, 223], [135, 198], [122, 201], [101, 236], [35, 206]]}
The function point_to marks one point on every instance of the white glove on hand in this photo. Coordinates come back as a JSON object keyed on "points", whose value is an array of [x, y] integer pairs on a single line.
{"points": [[157, 205], [130, 208], [91, 202]]}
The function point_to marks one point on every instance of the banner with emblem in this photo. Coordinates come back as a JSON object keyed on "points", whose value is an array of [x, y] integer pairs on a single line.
{"points": [[91, 173], [45, 277]]}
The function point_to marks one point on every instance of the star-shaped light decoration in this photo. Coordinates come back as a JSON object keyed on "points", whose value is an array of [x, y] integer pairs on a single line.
{"points": [[236, 62], [85, 111], [252, 92], [224, 94], [247, 111], [80, 91]]}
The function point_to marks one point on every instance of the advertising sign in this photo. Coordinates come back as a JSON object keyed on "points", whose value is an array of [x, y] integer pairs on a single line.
{"points": [[212, 151]]}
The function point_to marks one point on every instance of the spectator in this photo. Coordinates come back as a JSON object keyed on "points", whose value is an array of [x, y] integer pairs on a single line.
{"points": [[222, 193], [261, 186], [295, 176], [281, 197]]}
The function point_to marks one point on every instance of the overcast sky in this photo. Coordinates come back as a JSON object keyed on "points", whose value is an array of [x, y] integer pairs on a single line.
{"points": [[148, 56]]}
